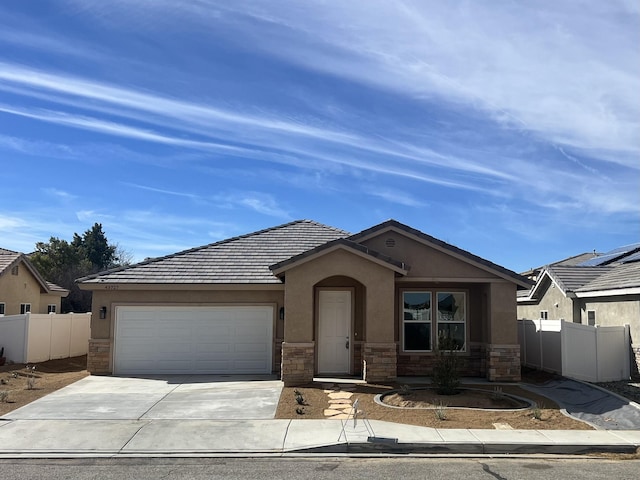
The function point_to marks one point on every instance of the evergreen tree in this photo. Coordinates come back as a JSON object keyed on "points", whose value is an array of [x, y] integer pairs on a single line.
{"points": [[61, 262]]}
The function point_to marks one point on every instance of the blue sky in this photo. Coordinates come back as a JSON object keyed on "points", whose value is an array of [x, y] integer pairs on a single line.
{"points": [[509, 129]]}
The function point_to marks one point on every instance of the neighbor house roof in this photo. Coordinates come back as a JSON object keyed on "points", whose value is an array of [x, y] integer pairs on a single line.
{"points": [[622, 279], [9, 258], [567, 278], [239, 260], [444, 247]]}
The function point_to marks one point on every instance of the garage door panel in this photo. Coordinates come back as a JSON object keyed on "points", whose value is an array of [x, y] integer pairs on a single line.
{"points": [[193, 340]]}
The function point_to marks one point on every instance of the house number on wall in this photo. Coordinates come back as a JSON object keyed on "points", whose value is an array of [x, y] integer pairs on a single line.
{"points": [[111, 287]]}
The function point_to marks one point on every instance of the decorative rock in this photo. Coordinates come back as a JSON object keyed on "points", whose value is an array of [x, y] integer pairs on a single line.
{"points": [[502, 426]]}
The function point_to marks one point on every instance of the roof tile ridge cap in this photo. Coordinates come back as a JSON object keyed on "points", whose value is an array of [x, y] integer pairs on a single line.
{"points": [[324, 225]]}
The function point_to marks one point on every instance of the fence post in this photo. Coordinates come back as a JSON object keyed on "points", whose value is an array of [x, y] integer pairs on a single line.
{"points": [[626, 353], [563, 348]]}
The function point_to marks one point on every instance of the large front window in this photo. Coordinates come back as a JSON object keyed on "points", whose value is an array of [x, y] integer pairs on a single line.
{"points": [[419, 327], [417, 321]]}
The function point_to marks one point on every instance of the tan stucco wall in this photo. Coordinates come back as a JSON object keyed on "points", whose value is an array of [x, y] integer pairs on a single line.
{"points": [[423, 260], [21, 288], [103, 329], [615, 311], [300, 294], [550, 296], [47, 299], [503, 327]]}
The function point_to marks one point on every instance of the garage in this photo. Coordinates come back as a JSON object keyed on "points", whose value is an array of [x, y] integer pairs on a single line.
{"points": [[193, 340]]}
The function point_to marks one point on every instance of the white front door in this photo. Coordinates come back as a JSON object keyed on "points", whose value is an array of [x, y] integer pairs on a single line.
{"points": [[334, 331]]}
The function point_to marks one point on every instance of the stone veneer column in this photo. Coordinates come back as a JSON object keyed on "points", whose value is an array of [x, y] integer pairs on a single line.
{"points": [[379, 362], [99, 356], [297, 366], [503, 363]]}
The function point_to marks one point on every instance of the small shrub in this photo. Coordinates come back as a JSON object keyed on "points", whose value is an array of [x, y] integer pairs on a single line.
{"points": [[4, 396], [441, 411], [537, 411], [31, 377], [497, 393], [405, 390], [446, 375]]}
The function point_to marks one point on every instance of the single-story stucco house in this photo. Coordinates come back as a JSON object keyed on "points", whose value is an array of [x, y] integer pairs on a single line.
{"points": [[304, 300]]}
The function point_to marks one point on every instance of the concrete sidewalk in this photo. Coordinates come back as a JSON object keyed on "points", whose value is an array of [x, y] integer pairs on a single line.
{"points": [[122, 438]]}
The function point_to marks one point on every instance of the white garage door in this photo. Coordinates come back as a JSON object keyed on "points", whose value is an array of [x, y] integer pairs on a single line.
{"points": [[216, 340]]}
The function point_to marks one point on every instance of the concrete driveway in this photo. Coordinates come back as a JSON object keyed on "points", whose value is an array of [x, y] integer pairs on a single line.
{"points": [[181, 397]]}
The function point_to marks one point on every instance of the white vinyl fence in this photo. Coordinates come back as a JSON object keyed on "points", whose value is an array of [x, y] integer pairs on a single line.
{"points": [[32, 338], [583, 352]]}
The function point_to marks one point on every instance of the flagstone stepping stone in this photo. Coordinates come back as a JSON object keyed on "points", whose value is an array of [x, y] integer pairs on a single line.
{"points": [[502, 426], [336, 395], [331, 413], [339, 401]]}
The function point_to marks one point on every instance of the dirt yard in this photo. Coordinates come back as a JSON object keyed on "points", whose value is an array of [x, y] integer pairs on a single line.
{"points": [[549, 417], [20, 385]]}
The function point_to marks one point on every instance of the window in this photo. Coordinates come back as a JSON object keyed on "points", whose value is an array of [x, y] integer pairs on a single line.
{"points": [[51, 308], [25, 308], [544, 315], [1, 308], [451, 320], [419, 327], [591, 317], [416, 321]]}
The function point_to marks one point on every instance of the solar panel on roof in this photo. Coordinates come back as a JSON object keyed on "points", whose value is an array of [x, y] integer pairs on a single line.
{"points": [[622, 250], [632, 258], [594, 262]]}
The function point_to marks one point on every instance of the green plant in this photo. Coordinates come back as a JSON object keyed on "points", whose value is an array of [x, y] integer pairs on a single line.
{"points": [[441, 411], [446, 375], [537, 411], [405, 390], [497, 393]]}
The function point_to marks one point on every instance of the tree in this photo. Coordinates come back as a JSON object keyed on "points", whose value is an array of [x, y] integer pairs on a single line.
{"points": [[61, 262]]}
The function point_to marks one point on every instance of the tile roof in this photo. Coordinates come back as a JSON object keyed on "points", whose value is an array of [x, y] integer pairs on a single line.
{"points": [[8, 258], [619, 277], [571, 278], [239, 260], [496, 269]]}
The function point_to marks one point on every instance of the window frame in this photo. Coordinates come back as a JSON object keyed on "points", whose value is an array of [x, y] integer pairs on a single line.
{"points": [[457, 322], [51, 308], [25, 308], [3, 308], [429, 321], [594, 318], [433, 317], [544, 314]]}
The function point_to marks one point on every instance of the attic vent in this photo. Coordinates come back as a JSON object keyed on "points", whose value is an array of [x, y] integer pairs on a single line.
{"points": [[390, 242], [14, 270]]}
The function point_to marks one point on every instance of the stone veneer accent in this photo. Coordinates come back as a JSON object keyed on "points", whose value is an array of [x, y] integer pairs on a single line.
{"points": [[297, 363], [99, 356], [503, 363], [379, 362], [635, 352], [472, 363]]}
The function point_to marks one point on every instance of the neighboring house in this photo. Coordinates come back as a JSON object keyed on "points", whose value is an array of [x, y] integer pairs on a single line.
{"points": [[602, 290], [304, 299], [22, 288]]}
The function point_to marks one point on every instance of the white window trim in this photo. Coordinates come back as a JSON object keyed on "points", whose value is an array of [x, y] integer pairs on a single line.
{"points": [[25, 308], [544, 314], [51, 308], [4, 308], [594, 318]]}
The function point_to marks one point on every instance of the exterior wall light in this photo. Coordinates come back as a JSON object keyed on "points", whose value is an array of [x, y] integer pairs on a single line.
{"points": [[281, 313], [103, 312]]}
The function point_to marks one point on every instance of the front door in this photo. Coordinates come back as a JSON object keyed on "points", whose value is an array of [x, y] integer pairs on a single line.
{"points": [[334, 331]]}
